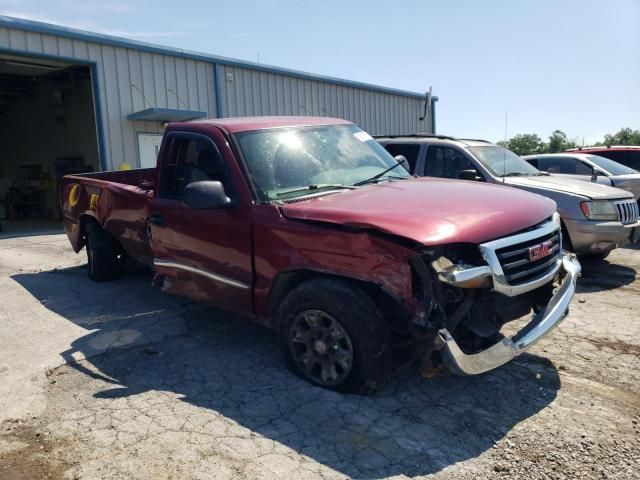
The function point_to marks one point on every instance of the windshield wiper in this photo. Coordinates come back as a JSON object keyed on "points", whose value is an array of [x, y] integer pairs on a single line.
{"points": [[316, 186], [377, 175], [515, 174]]}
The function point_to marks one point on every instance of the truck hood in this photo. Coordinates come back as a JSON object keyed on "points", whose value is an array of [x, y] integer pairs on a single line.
{"points": [[428, 211], [572, 186]]}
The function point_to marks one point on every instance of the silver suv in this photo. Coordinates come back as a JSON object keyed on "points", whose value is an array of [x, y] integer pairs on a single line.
{"points": [[588, 168], [595, 218]]}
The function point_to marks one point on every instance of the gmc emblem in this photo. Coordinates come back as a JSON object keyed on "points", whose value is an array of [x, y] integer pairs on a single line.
{"points": [[540, 251]]}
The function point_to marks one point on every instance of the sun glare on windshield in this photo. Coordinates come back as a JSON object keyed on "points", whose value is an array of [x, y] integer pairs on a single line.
{"points": [[290, 140]]}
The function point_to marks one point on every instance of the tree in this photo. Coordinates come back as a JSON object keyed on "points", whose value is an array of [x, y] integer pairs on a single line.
{"points": [[625, 136], [530, 143], [525, 144], [558, 142]]}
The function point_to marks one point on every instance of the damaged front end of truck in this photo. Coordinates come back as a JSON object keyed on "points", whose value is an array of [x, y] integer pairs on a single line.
{"points": [[466, 293]]}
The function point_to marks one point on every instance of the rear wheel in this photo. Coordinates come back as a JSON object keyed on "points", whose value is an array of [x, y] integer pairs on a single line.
{"points": [[103, 254], [334, 336]]}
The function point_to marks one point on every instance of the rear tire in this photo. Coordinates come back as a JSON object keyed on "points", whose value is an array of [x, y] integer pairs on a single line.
{"points": [[103, 254], [334, 336]]}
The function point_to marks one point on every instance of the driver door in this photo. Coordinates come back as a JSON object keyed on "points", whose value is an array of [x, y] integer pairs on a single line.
{"points": [[204, 254]]}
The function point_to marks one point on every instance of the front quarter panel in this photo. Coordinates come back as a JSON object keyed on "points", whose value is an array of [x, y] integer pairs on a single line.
{"points": [[282, 245], [568, 204]]}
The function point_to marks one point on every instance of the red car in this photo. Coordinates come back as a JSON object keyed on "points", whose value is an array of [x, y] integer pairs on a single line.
{"points": [[309, 226], [626, 155]]}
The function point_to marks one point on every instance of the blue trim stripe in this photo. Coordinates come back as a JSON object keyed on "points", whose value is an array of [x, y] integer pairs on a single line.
{"points": [[433, 114], [95, 83], [217, 79], [59, 31]]}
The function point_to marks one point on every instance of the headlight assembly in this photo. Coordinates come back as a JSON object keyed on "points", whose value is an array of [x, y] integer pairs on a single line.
{"points": [[599, 210]]}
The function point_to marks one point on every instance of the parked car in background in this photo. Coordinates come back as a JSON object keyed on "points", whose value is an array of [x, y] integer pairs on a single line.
{"points": [[590, 168], [595, 218], [625, 154], [309, 226]]}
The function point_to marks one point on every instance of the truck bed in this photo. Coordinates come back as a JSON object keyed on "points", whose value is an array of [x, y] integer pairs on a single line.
{"points": [[136, 177], [117, 200]]}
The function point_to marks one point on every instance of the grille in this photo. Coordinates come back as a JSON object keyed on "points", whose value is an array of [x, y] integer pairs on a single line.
{"points": [[627, 211], [517, 265]]}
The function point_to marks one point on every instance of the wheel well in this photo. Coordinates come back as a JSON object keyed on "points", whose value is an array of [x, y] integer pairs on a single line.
{"points": [[392, 309], [85, 220], [566, 239]]}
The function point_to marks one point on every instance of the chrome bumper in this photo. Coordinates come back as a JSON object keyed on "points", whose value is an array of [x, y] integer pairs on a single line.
{"points": [[508, 348]]}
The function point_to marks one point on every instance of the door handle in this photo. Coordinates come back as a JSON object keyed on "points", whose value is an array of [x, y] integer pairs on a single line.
{"points": [[157, 219]]}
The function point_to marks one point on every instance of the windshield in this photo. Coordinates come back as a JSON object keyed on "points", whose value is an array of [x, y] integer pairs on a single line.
{"points": [[284, 162], [614, 168], [502, 162]]}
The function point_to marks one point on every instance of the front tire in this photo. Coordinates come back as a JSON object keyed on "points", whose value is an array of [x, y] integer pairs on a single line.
{"points": [[334, 336], [103, 254]]}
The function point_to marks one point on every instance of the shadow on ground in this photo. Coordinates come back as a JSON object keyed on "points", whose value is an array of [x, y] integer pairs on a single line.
{"points": [[602, 275], [231, 367]]}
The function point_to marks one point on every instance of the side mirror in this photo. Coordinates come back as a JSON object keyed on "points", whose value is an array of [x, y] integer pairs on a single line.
{"points": [[469, 175], [596, 172], [402, 160], [205, 194]]}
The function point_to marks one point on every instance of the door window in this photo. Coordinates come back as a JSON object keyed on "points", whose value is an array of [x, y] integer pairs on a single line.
{"points": [[564, 165], [632, 159], [190, 160], [410, 152], [446, 162]]}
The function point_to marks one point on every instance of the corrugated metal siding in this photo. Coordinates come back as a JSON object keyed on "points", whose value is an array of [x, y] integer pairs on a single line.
{"points": [[165, 81], [250, 92], [131, 80]]}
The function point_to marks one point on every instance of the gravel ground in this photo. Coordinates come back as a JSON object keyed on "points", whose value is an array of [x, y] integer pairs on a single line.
{"points": [[118, 381]]}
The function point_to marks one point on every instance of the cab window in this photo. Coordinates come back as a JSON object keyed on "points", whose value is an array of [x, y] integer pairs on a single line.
{"points": [[191, 159]]}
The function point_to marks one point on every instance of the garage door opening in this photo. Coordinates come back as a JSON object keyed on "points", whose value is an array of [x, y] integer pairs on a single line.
{"points": [[47, 130]]}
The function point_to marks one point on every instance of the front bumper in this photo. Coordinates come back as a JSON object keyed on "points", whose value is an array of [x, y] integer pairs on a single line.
{"points": [[508, 348], [588, 236]]}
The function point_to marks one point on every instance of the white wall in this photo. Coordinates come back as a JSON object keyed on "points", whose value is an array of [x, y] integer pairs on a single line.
{"points": [[251, 92]]}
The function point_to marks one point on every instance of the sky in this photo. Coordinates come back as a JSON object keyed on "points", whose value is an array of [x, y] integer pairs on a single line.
{"points": [[496, 65]]}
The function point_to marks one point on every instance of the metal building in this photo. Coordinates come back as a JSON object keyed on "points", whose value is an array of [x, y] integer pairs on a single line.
{"points": [[75, 100]]}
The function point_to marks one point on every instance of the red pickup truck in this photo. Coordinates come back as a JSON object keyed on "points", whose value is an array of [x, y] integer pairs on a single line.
{"points": [[309, 226]]}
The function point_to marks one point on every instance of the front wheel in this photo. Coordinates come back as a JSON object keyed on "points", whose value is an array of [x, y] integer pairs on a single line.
{"points": [[334, 336]]}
